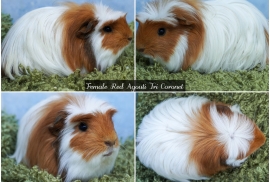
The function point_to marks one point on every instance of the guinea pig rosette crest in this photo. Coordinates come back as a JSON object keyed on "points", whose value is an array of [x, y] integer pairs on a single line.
{"points": [[194, 138], [69, 135], [59, 40], [207, 36]]}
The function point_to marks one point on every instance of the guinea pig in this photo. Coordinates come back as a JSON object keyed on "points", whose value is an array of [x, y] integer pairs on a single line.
{"points": [[207, 36], [194, 138], [69, 135], [59, 40]]}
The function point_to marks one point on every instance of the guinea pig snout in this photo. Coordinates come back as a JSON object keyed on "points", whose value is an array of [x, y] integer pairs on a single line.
{"points": [[109, 143], [110, 147]]}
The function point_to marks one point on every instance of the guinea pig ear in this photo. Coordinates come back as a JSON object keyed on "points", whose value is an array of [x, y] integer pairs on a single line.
{"points": [[184, 18], [137, 20], [86, 28], [223, 109], [111, 112], [58, 123]]}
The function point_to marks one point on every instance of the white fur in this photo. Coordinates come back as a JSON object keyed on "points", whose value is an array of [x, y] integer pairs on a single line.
{"points": [[35, 41], [235, 38], [70, 161], [235, 133], [163, 146], [104, 57], [174, 64], [234, 34], [161, 11]]}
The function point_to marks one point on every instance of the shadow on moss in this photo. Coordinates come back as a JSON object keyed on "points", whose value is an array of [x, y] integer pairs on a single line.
{"points": [[251, 80]]}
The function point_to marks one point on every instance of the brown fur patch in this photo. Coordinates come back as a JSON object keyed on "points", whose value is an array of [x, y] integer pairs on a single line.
{"points": [[208, 153], [196, 32], [150, 43], [43, 143], [79, 21], [120, 36], [257, 142], [100, 129]]}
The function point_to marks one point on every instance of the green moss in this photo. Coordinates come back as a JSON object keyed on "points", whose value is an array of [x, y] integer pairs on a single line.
{"points": [[251, 80], [123, 170], [6, 23], [254, 105], [37, 81]]}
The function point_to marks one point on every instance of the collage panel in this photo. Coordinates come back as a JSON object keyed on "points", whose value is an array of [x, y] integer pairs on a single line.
{"points": [[135, 90], [57, 45], [212, 45], [67, 136], [196, 136]]}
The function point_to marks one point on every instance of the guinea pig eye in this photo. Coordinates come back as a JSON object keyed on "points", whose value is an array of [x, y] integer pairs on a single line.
{"points": [[161, 31], [83, 126], [107, 29]]}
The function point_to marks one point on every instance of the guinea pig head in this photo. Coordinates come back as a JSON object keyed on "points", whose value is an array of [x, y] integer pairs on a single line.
{"points": [[94, 135], [223, 138], [94, 34], [111, 36], [171, 32]]}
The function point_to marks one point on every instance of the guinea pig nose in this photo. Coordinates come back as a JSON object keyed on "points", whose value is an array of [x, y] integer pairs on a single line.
{"points": [[130, 38], [109, 143], [141, 50]]}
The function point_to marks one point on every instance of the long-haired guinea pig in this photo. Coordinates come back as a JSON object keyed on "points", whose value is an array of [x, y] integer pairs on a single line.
{"points": [[207, 36], [59, 40], [194, 138], [69, 135]]}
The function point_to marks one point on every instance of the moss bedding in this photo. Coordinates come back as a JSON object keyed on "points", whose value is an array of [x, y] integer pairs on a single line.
{"points": [[37, 81], [251, 80], [10, 171], [254, 105]]}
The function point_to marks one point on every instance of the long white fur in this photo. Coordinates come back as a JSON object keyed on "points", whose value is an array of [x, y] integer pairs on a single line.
{"points": [[35, 41], [70, 161], [162, 147], [234, 38], [173, 64], [161, 11]]}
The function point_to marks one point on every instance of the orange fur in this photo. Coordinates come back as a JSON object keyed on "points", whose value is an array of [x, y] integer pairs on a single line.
{"points": [[207, 152], [101, 130], [79, 21], [257, 142], [164, 46], [43, 145], [118, 40], [196, 32], [148, 31]]}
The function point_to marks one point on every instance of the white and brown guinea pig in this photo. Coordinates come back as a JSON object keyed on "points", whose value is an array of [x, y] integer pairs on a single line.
{"points": [[59, 40], [69, 135], [207, 36], [193, 138]]}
